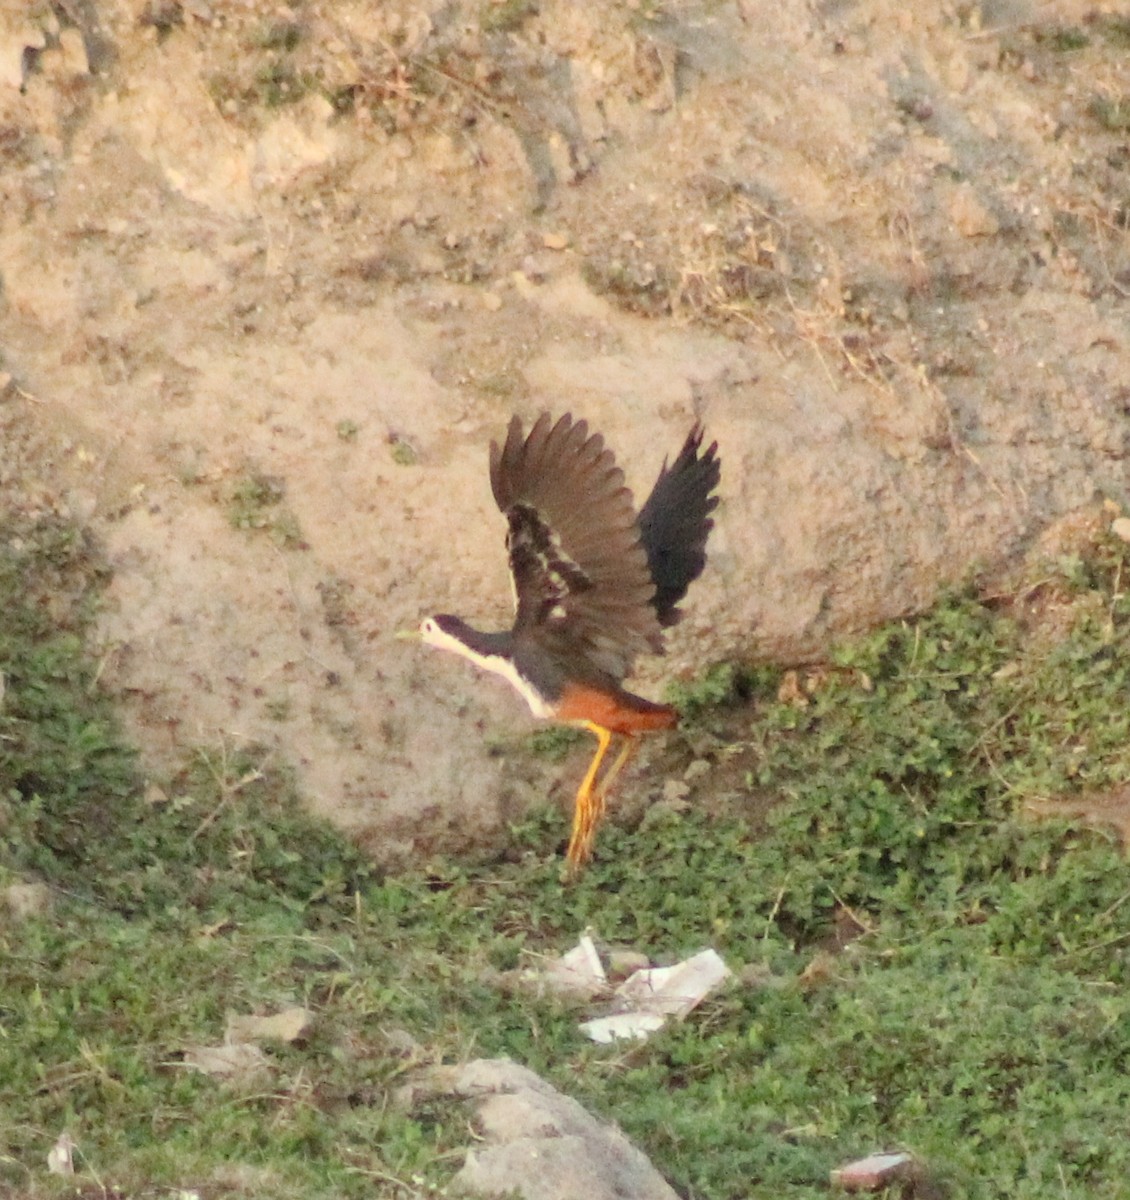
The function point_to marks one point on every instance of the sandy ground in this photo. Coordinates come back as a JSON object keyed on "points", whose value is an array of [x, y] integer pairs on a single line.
{"points": [[273, 277]]}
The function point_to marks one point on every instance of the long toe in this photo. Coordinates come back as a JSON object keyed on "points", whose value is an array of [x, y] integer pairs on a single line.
{"points": [[585, 820]]}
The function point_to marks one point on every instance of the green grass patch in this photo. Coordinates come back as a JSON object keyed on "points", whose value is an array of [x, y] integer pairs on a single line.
{"points": [[721, 685], [507, 16], [555, 741], [256, 502], [1064, 39], [980, 1018], [1111, 112]]}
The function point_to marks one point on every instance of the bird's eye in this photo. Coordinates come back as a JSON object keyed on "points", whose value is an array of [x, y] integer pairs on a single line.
{"points": [[429, 626]]}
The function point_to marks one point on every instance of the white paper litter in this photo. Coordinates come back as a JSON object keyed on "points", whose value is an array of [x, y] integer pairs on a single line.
{"points": [[622, 1026], [61, 1156], [580, 972], [651, 996]]}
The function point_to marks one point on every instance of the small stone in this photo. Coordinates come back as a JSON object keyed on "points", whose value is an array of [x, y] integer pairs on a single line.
{"points": [[13, 46], [1121, 528], [199, 9], [758, 975], [695, 769], [970, 216], [289, 1025], [492, 301], [240, 1063], [532, 269], [874, 1172], [957, 72], [60, 1158], [401, 1043], [75, 60], [555, 241], [24, 900], [675, 790], [523, 285]]}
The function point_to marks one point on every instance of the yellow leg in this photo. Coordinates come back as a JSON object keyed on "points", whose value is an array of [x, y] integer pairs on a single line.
{"points": [[622, 760], [589, 806]]}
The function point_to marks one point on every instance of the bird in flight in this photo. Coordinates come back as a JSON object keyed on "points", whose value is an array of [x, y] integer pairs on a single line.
{"points": [[594, 584]]}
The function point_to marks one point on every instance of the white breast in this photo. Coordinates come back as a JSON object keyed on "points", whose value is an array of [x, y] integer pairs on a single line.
{"points": [[434, 636]]}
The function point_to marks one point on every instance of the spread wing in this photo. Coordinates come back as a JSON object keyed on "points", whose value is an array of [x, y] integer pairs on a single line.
{"points": [[675, 523], [580, 572]]}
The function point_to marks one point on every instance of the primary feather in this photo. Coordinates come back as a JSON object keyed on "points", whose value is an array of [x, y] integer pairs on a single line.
{"points": [[675, 523]]}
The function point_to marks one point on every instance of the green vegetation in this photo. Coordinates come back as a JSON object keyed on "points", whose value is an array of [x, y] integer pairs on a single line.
{"points": [[719, 686], [639, 287], [507, 16], [1112, 112], [403, 452], [278, 83], [1116, 30], [935, 971], [1064, 39], [555, 741], [283, 36], [256, 502]]}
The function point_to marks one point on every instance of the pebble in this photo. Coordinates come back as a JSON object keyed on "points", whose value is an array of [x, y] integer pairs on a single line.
{"points": [[970, 216], [874, 1172], [523, 285], [24, 900], [13, 43], [199, 9], [75, 60]]}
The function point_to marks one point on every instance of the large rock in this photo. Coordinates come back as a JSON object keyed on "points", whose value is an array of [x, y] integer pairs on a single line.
{"points": [[542, 1145]]}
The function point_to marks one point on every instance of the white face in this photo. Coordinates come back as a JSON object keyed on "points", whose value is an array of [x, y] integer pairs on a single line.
{"points": [[431, 633]]}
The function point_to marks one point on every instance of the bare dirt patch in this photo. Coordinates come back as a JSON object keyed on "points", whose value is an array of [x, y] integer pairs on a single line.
{"points": [[326, 250]]}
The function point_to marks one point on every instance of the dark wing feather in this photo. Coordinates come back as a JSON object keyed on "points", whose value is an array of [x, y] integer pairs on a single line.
{"points": [[675, 523], [581, 578]]}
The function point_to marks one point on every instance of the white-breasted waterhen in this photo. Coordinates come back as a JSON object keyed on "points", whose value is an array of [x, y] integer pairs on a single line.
{"points": [[594, 586]]}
